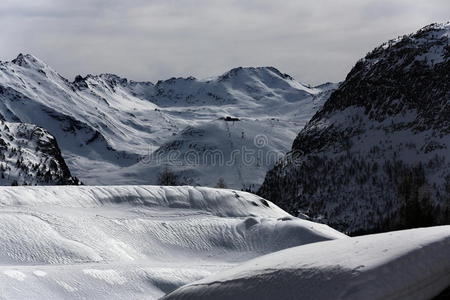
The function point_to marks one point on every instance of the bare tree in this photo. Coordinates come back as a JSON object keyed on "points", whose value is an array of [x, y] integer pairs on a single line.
{"points": [[167, 177], [221, 184]]}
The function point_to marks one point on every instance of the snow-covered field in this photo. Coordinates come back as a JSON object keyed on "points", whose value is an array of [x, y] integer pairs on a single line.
{"points": [[411, 264], [145, 242], [134, 241]]}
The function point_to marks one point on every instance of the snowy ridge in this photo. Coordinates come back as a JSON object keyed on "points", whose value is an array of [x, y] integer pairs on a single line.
{"points": [[104, 123], [410, 264], [433, 33], [239, 85], [134, 241], [218, 202]]}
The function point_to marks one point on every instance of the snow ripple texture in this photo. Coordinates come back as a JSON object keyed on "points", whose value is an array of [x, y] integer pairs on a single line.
{"points": [[134, 241]]}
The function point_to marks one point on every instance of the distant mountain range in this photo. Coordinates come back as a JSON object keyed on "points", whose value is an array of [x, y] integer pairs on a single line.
{"points": [[376, 156], [108, 126]]}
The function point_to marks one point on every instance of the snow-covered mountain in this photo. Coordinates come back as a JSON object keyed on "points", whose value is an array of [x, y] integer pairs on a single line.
{"points": [[29, 155], [410, 265], [108, 126], [375, 157], [134, 242]]}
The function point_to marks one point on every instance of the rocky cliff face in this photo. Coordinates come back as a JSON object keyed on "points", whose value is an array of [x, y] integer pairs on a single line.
{"points": [[29, 155], [376, 156]]}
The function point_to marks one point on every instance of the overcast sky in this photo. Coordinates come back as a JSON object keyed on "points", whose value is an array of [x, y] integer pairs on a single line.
{"points": [[312, 40]]}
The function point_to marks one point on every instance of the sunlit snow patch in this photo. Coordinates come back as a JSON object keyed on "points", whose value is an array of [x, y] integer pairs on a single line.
{"points": [[410, 264]]}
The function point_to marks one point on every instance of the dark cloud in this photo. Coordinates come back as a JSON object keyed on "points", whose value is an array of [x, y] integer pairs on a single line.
{"points": [[315, 41]]}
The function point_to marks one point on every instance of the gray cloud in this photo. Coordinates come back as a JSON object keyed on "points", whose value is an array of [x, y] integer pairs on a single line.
{"points": [[314, 41]]}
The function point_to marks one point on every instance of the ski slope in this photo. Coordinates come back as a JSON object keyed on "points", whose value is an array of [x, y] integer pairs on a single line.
{"points": [[411, 264], [134, 241]]}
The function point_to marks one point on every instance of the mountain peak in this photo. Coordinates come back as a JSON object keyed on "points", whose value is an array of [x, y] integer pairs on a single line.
{"points": [[28, 60], [249, 71], [174, 80], [437, 27], [113, 79], [428, 46]]}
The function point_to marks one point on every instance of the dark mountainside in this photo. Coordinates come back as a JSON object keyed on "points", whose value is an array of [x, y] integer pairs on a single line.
{"points": [[376, 156], [29, 155]]}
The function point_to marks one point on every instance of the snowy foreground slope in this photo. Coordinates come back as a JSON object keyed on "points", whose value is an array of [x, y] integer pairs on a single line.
{"points": [[134, 241], [411, 264]]}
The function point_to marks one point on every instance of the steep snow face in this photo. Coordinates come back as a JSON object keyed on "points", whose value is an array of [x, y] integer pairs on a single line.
{"points": [[410, 264], [29, 155], [378, 149], [134, 241], [106, 124]]}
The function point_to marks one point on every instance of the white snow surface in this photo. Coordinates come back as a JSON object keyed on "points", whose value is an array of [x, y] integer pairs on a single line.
{"points": [[137, 242], [410, 264]]}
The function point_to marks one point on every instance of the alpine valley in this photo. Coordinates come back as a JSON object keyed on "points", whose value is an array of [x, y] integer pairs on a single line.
{"points": [[115, 131]]}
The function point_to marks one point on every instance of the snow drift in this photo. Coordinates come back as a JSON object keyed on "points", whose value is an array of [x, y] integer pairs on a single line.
{"points": [[134, 241], [410, 264]]}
